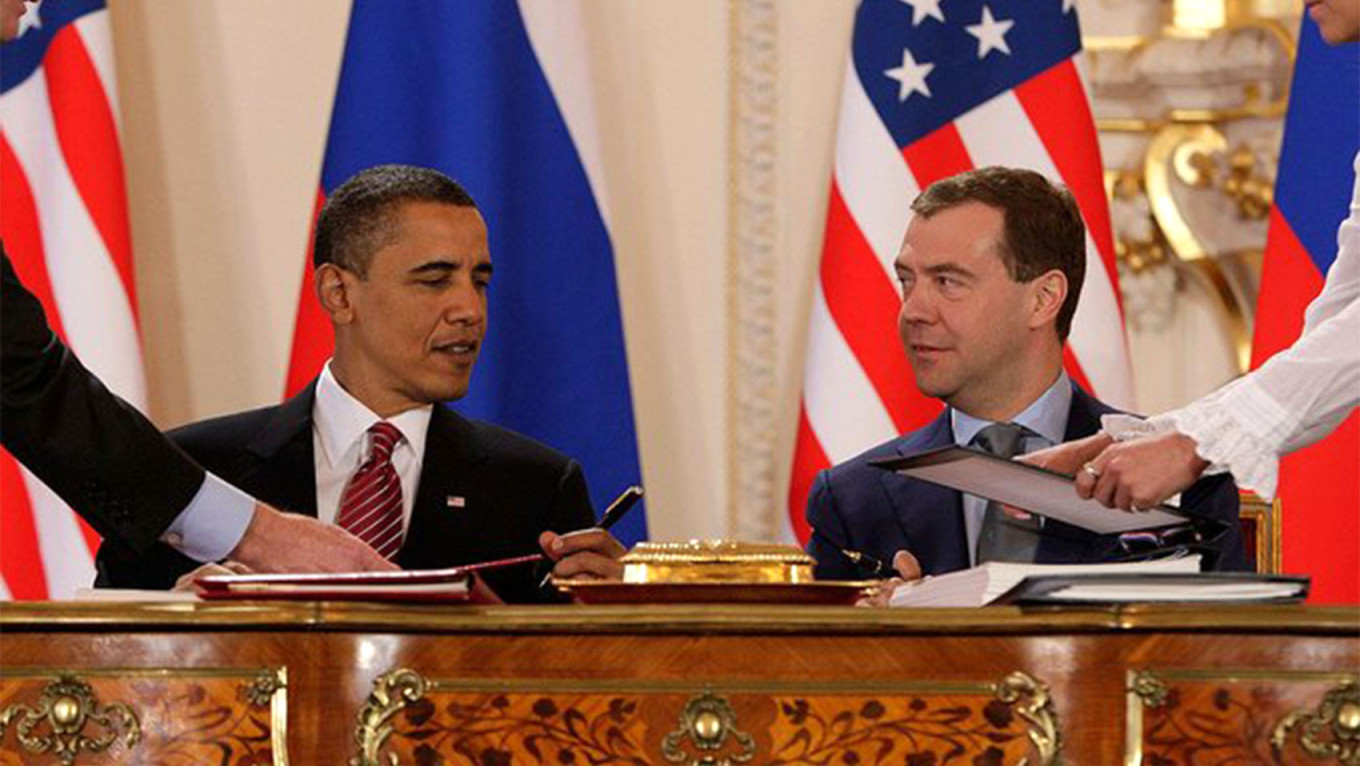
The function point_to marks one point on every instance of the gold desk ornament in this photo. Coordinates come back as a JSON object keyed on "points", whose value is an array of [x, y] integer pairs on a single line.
{"points": [[392, 692], [260, 691], [707, 721], [1330, 731], [66, 706], [729, 561], [1150, 689], [1032, 703]]}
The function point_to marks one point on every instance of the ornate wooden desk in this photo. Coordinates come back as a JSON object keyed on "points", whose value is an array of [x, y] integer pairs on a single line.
{"points": [[319, 683]]}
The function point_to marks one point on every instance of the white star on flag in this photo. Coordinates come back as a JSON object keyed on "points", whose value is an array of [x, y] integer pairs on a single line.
{"points": [[920, 9], [30, 19], [991, 33], [911, 76]]}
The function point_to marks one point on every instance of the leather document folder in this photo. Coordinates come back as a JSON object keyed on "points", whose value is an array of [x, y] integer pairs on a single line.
{"points": [[1042, 492], [1157, 587], [452, 585]]}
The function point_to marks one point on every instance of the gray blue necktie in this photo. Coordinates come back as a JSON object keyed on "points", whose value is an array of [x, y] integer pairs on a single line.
{"points": [[1001, 537]]}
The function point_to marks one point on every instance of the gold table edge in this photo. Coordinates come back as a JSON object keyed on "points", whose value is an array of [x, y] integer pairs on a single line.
{"points": [[29, 617]]}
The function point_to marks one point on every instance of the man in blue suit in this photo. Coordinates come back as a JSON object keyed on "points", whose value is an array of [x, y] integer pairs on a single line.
{"points": [[990, 268]]}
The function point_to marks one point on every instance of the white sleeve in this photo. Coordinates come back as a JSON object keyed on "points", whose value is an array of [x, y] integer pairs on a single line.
{"points": [[1343, 278], [1297, 397]]}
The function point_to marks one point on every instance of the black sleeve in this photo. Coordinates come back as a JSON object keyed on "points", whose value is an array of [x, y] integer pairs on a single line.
{"points": [[97, 452], [1216, 497], [828, 534], [572, 509]]}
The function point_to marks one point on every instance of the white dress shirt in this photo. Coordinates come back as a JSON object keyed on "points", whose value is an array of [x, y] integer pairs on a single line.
{"points": [[1296, 398], [340, 444]]}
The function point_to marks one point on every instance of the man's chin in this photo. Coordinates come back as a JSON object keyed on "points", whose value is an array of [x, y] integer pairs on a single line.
{"points": [[446, 391], [935, 389]]}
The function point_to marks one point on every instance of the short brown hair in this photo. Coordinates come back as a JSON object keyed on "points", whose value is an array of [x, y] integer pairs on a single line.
{"points": [[1043, 228]]}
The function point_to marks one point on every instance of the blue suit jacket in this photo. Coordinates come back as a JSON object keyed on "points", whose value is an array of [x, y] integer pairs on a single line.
{"points": [[859, 507]]}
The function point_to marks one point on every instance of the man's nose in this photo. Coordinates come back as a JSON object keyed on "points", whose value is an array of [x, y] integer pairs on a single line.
{"points": [[917, 305], [465, 304]]}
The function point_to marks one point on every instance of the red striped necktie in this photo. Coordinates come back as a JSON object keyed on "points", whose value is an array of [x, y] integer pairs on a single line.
{"points": [[371, 506]]}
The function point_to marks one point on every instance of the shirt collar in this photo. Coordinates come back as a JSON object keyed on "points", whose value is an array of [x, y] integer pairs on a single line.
{"points": [[1046, 416], [342, 421]]}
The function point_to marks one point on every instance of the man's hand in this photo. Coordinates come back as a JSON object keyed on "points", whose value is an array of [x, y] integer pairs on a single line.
{"points": [[1141, 473], [588, 553], [908, 570], [287, 542], [186, 581]]}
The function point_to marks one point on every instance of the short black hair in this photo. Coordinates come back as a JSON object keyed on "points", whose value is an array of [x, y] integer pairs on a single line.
{"points": [[1043, 227], [358, 218]]}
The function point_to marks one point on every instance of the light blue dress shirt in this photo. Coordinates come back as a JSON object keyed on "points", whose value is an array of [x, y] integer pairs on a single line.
{"points": [[1046, 417], [213, 522]]}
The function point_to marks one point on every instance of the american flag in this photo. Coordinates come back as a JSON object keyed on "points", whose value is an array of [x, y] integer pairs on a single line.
{"points": [[63, 217], [933, 89]]}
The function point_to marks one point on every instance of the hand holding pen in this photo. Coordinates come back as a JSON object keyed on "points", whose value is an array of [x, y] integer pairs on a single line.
{"points": [[590, 552], [905, 569], [904, 565]]}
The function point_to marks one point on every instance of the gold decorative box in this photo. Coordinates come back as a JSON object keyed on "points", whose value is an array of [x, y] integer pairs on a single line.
{"points": [[709, 561], [714, 572]]}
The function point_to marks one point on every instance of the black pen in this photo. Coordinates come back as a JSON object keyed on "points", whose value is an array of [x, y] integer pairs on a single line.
{"points": [[616, 510], [867, 564], [621, 505]]}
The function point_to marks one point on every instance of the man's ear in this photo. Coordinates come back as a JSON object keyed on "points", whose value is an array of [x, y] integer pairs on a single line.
{"points": [[333, 289], [1049, 291]]}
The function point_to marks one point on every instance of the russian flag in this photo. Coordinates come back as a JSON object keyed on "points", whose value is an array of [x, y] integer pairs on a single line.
{"points": [[497, 95], [1319, 486]]}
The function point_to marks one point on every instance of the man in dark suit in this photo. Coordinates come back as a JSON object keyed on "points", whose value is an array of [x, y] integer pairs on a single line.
{"points": [[402, 270], [109, 463], [991, 268]]}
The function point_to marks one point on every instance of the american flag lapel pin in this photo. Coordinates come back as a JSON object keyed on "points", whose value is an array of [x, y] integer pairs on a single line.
{"points": [[456, 501]]}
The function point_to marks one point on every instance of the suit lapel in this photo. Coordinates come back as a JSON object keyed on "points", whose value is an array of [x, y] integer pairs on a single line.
{"points": [[442, 532], [1083, 415], [285, 469], [931, 516]]}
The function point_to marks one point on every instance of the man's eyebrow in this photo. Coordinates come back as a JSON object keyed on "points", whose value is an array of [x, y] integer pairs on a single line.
{"points": [[939, 268], [948, 268], [448, 267], [432, 267]]}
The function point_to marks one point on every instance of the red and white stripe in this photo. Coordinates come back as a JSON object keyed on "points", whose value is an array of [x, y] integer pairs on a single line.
{"points": [[63, 217], [858, 389]]}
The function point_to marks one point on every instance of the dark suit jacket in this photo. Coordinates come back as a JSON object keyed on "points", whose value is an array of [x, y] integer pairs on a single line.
{"points": [[858, 507], [97, 452], [513, 489]]}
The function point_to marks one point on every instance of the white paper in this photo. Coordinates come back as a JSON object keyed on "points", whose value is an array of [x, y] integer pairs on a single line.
{"points": [[983, 584]]}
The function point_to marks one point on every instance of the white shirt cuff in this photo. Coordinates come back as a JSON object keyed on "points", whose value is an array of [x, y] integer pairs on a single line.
{"points": [[213, 523]]}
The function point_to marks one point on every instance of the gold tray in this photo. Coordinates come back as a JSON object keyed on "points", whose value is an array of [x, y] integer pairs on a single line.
{"points": [[802, 594]]}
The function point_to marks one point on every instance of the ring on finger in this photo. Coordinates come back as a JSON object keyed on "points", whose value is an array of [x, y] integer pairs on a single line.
{"points": [[1090, 470]]}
